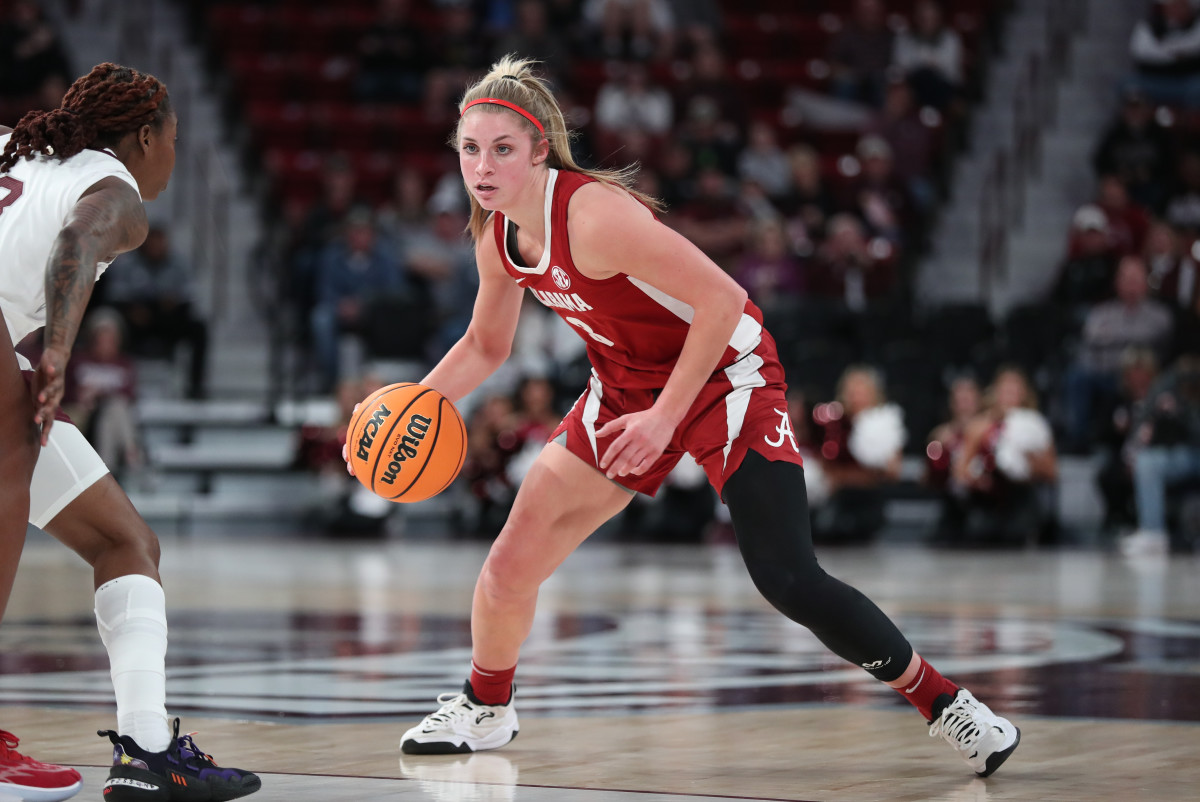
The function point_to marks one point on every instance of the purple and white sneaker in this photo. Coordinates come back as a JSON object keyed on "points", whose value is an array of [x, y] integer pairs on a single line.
{"points": [[180, 773]]}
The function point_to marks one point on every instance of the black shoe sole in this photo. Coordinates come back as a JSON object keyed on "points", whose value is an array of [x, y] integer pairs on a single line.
{"points": [[995, 761], [129, 784]]}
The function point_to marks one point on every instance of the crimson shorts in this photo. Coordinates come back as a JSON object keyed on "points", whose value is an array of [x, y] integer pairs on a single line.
{"points": [[742, 407]]}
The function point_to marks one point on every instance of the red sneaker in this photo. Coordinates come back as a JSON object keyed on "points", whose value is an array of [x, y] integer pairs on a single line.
{"points": [[30, 780]]}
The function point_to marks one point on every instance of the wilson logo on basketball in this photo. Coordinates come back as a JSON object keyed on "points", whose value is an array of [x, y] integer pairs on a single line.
{"points": [[370, 430], [561, 279], [418, 427]]}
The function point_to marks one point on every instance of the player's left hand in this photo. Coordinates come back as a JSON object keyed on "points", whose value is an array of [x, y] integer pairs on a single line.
{"points": [[49, 382], [644, 436]]}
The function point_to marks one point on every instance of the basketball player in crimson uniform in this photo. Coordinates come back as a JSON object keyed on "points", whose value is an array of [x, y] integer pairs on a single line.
{"points": [[681, 363], [72, 182]]}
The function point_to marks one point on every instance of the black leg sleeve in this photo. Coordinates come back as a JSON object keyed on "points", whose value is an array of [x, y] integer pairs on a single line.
{"points": [[769, 508]]}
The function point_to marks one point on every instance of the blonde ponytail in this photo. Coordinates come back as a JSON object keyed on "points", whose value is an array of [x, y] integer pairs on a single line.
{"points": [[512, 80]]}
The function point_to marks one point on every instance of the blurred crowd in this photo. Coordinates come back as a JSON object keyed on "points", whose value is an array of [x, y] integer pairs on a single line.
{"points": [[811, 177], [798, 193]]}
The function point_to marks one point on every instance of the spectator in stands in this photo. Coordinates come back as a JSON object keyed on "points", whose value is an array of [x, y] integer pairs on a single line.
{"points": [[1169, 435], [405, 214], [713, 219], [630, 101], [1172, 275], [101, 392], [34, 68], [1127, 221], [1166, 54], [491, 444], [764, 162], [535, 419], [1118, 441], [355, 269], [441, 258], [1008, 457], [712, 139], [1086, 276], [930, 54], [768, 271], [676, 174], [862, 436], [860, 53], [459, 43], [912, 142], [1131, 320], [880, 197], [392, 58], [708, 85], [1182, 205], [809, 203], [640, 30], [943, 451], [850, 268], [1137, 149], [153, 289], [321, 224], [533, 36], [697, 23]]}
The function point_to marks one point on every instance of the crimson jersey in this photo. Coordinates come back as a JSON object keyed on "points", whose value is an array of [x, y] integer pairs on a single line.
{"points": [[634, 332]]}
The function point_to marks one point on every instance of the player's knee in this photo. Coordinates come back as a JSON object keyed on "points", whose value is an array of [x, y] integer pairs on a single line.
{"points": [[132, 544], [506, 577], [794, 590]]}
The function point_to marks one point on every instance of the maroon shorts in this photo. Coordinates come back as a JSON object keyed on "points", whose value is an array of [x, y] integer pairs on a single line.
{"points": [[742, 407]]}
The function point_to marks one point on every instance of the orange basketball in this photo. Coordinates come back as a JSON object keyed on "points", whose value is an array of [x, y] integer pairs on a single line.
{"points": [[406, 442]]}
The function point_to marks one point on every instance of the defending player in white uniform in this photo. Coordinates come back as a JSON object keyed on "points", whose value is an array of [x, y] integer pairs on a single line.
{"points": [[72, 183]]}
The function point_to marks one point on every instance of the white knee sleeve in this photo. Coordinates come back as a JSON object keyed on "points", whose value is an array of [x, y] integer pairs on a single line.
{"points": [[131, 615]]}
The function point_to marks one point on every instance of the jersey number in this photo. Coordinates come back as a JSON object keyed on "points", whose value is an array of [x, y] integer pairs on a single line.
{"points": [[14, 187], [600, 338]]}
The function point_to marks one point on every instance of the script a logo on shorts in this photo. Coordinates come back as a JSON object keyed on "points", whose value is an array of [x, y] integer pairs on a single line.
{"points": [[370, 430], [406, 449], [561, 279], [785, 431]]}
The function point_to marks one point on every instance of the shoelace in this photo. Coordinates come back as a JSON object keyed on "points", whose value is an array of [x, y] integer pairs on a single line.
{"points": [[453, 705], [185, 741], [8, 748], [957, 722]]}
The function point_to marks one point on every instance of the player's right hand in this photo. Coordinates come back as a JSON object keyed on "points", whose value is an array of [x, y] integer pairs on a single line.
{"points": [[49, 382]]}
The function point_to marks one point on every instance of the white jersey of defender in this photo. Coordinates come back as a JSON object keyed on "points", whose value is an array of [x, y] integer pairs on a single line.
{"points": [[36, 196]]}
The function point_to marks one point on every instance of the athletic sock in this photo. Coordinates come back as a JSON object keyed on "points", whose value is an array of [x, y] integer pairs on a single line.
{"points": [[925, 691], [131, 613], [491, 687]]}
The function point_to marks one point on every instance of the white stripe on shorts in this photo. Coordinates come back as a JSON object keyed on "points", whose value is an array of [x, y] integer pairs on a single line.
{"points": [[744, 377], [591, 411]]}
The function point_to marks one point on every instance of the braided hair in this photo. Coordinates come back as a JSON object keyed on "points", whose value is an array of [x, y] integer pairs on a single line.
{"points": [[97, 111]]}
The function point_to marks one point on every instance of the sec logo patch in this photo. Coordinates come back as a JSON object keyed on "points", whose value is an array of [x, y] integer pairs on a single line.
{"points": [[561, 279]]}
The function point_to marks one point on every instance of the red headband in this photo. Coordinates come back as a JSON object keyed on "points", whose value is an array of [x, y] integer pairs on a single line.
{"points": [[507, 105]]}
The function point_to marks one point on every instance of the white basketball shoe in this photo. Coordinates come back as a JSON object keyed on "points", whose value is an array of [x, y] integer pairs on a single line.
{"points": [[461, 725], [984, 739]]}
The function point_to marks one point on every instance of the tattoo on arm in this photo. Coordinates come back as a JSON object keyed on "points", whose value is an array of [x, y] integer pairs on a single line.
{"points": [[106, 221]]}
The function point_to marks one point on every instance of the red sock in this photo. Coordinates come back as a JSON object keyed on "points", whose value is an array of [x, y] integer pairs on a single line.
{"points": [[923, 692], [492, 687]]}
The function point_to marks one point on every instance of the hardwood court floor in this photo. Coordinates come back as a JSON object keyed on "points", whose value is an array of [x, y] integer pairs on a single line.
{"points": [[651, 675]]}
